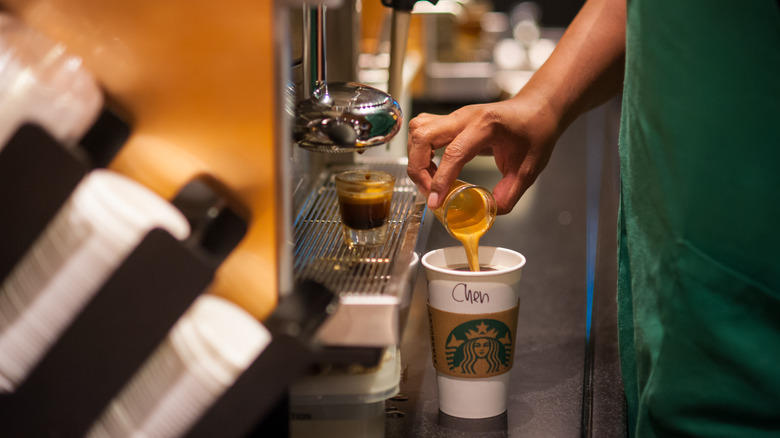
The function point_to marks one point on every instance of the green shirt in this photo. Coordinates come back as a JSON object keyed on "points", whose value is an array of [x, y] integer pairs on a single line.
{"points": [[699, 242]]}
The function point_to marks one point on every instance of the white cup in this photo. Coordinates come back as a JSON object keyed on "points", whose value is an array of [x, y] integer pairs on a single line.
{"points": [[207, 349], [473, 323], [102, 222], [41, 82]]}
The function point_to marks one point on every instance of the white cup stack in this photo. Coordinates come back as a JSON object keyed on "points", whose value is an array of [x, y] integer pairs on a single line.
{"points": [[203, 354], [103, 220], [41, 82]]}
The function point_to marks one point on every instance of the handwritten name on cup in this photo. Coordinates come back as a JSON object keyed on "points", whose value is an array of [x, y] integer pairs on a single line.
{"points": [[463, 293]]}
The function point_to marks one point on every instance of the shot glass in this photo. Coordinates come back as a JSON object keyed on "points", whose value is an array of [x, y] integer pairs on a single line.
{"points": [[467, 213], [466, 209], [364, 198], [473, 327]]}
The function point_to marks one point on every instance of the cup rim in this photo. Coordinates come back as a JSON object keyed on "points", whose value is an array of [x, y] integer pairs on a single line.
{"points": [[479, 274], [124, 208], [387, 178]]}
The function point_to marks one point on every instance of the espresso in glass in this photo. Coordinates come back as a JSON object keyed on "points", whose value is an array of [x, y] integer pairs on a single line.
{"points": [[364, 198], [364, 214]]}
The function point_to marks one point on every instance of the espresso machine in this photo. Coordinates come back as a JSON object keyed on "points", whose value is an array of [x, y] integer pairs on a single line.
{"points": [[231, 98], [362, 366]]}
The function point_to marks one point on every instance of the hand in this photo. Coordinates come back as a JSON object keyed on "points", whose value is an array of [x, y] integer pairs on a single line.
{"points": [[520, 133]]}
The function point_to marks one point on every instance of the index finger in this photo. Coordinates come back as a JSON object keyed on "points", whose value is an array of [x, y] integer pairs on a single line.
{"points": [[463, 148], [420, 151]]}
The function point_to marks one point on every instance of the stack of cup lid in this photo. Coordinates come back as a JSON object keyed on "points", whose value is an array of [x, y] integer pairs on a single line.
{"points": [[204, 353], [103, 220], [41, 82]]}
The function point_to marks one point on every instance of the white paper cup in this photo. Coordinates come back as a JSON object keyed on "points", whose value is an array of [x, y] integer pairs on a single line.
{"points": [[473, 325], [104, 219], [41, 82], [207, 349]]}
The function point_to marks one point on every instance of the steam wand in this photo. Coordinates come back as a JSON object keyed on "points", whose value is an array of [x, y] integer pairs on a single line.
{"points": [[399, 36]]}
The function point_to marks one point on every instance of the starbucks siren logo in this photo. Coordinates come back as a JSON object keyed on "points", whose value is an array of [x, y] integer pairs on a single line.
{"points": [[480, 347]]}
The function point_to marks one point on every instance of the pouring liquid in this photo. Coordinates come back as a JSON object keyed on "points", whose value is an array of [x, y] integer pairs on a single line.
{"points": [[467, 214]]}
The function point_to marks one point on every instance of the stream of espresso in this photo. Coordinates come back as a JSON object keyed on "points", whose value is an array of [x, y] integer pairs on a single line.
{"points": [[467, 220]]}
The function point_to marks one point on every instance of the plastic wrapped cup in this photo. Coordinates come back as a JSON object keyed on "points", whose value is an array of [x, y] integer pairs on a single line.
{"points": [[41, 82], [473, 323]]}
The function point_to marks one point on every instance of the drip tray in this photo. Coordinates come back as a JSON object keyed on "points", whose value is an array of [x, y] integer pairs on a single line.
{"points": [[374, 285]]}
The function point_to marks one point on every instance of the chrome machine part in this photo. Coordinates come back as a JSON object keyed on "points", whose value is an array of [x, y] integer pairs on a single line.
{"points": [[399, 34], [343, 116], [346, 117]]}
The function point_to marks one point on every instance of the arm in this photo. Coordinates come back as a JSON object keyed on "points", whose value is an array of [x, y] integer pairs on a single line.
{"points": [[583, 72]]}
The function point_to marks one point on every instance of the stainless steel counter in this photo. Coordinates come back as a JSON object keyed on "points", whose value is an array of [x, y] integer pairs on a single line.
{"points": [[565, 381]]}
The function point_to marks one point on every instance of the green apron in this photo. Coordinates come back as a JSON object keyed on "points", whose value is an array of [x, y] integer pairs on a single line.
{"points": [[699, 227]]}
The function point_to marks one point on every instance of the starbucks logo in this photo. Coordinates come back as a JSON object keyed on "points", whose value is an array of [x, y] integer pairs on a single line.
{"points": [[479, 347]]}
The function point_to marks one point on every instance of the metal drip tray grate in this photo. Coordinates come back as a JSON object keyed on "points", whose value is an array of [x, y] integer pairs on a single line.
{"points": [[320, 252], [373, 281]]}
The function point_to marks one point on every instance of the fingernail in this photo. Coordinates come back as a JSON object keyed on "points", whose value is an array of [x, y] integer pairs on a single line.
{"points": [[433, 200]]}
